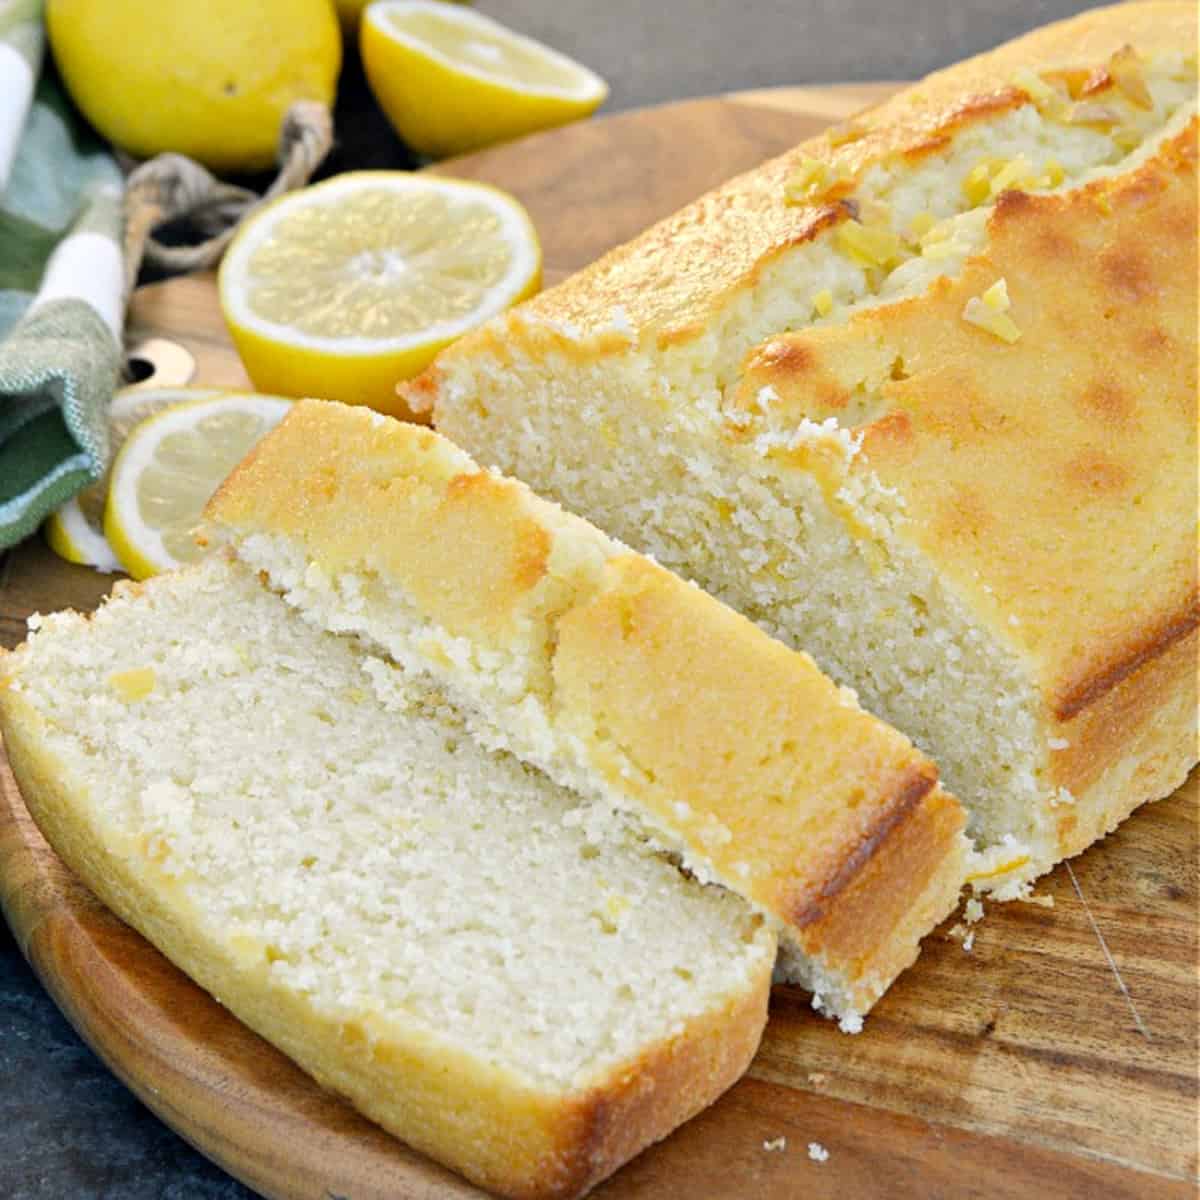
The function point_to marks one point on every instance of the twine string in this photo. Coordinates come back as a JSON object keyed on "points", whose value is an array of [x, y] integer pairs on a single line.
{"points": [[171, 187]]}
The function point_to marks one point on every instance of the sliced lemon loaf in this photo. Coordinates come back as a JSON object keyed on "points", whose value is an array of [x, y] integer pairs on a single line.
{"points": [[432, 929], [618, 679], [919, 398]]}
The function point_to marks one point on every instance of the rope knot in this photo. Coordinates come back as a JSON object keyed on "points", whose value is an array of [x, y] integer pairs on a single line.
{"points": [[171, 187]]}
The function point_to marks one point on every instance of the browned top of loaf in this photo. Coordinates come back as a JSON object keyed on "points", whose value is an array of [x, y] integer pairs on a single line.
{"points": [[675, 276], [1052, 481]]}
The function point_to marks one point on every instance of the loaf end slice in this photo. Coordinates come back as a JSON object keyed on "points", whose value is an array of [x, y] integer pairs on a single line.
{"points": [[617, 678], [431, 929]]}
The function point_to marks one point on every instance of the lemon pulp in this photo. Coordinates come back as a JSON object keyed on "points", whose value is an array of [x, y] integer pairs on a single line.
{"points": [[187, 467], [374, 268], [169, 467], [491, 52]]}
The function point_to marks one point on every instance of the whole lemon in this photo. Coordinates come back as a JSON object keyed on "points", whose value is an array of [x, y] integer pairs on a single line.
{"points": [[211, 80]]}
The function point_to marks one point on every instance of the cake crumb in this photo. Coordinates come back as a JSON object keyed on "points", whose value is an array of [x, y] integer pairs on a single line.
{"points": [[1044, 900], [620, 322], [817, 1077], [779, 1143], [969, 941], [817, 1152], [852, 1022]]}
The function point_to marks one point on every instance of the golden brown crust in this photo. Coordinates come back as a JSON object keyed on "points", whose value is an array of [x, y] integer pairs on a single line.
{"points": [[1143, 647], [490, 1124], [905, 801], [1058, 508], [731, 746], [874, 927], [1132, 745], [669, 1084], [728, 236]]}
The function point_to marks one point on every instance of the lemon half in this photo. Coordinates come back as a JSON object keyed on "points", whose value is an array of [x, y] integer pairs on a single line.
{"points": [[343, 289], [168, 468], [452, 80], [76, 530]]}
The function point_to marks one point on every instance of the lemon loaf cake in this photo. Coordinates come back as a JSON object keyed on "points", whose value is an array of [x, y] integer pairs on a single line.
{"points": [[919, 398], [618, 679], [424, 925]]}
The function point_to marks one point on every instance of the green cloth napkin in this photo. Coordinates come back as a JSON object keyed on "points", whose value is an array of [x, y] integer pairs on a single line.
{"points": [[61, 286]]}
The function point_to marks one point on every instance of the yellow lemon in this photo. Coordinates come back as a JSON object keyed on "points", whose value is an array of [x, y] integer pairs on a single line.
{"points": [[168, 468], [343, 289], [211, 80], [452, 80], [76, 530]]}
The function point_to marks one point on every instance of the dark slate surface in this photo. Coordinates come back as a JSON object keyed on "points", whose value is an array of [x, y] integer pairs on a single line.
{"points": [[68, 1129]]}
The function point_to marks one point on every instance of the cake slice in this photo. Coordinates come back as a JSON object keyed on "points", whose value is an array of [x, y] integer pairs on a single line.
{"points": [[430, 928], [920, 399], [616, 678]]}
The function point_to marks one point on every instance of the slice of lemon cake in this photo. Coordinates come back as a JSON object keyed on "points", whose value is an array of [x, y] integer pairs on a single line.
{"points": [[919, 398], [429, 928], [615, 677]]}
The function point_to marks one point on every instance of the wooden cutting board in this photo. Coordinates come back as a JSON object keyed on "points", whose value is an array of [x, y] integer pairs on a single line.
{"points": [[1057, 1057]]}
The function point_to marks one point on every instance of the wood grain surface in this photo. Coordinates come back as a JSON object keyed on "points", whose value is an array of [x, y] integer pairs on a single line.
{"points": [[1057, 1057]]}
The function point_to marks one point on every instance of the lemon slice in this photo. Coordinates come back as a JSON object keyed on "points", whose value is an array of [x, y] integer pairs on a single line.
{"points": [[452, 80], [76, 530], [76, 534], [169, 467], [343, 289]]}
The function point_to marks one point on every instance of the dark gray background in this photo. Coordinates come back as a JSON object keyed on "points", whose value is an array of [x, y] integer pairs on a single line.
{"points": [[651, 51], [68, 1129]]}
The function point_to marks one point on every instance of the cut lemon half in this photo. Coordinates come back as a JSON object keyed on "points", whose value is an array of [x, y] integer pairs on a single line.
{"points": [[76, 530], [168, 468], [343, 289], [452, 80]]}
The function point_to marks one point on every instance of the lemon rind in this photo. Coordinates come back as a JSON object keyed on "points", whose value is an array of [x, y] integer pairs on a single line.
{"points": [[69, 535]]}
